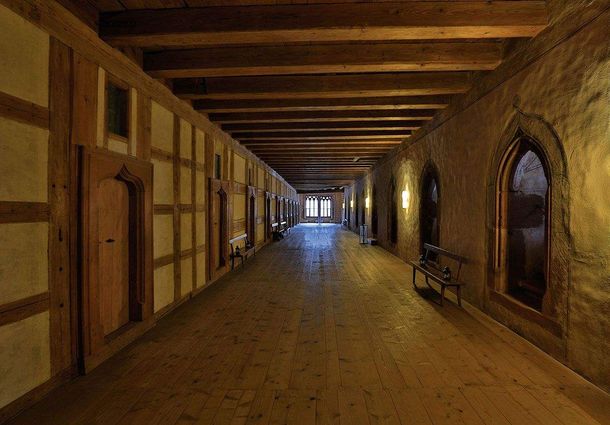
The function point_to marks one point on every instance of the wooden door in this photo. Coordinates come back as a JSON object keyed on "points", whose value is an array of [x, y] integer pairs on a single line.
{"points": [[116, 283], [219, 212], [113, 254]]}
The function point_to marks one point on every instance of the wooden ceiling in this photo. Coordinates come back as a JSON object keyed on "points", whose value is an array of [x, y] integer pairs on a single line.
{"points": [[318, 89]]}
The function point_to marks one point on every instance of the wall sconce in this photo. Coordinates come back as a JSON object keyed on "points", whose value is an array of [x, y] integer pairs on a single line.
{"points": [[351, 203], [405, 199], [367, 202], [343, 205]]}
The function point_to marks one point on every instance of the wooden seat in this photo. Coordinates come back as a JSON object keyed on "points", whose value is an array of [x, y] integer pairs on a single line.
{"points": [[276, 233], [236, 252], [434, 270], [284, 227]]}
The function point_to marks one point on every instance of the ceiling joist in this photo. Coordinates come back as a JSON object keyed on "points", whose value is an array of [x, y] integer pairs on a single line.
{"points": [[413, 20], [319, 116], [321, 104], [321, 86], [318, 59]]}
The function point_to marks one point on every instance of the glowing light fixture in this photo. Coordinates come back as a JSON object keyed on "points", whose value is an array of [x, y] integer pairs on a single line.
{"points": [[367, 202], [405, 199], [351, 203]]}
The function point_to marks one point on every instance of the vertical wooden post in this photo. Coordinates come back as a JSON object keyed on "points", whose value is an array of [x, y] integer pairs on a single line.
{"points": [[194, 203], [143, 149], [63, 354], [177, 210]]}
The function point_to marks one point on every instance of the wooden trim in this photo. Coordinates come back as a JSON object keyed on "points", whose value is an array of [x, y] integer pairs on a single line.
{"points": [[200, 248], [526, 313], [63, 343], [161, 155], [193, 203], [84, 100], [143, 142], [163, 261], [23, 212], [185, 208], [17, 109], [186, 162], [22, 309], [160, 209], [186, 253], [177, 212]]}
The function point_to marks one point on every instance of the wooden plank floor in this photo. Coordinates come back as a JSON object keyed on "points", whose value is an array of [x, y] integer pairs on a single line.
{"points": [[320, 330]]}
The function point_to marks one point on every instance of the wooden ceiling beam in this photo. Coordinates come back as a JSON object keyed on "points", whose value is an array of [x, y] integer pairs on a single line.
{"points": [[322, 126], [323, 59], [322, 104], [307, 86], [323, 22], [282, 144], [323, 135], [319, 116]]}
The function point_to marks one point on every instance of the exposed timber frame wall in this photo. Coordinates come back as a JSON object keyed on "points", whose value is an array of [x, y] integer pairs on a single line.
{"points": [[554, 89], [53, 101]]}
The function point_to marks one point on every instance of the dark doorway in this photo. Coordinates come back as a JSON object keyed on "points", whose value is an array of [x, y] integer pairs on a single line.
{"points": [[526, 211], [374, 212], [429, 209], [393, 213], [252, 221]]}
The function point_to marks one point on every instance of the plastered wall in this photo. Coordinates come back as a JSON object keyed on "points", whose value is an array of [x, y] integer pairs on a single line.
{"points": [[563, 96], [25, 359]]}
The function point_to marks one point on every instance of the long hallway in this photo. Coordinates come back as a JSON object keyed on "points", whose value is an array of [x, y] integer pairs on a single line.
{"points": [[320, 330]]}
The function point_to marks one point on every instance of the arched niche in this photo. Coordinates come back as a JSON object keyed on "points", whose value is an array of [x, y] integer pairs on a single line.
{"points": [[429, 206], [393, 212], [529, 141], [374, 214]]}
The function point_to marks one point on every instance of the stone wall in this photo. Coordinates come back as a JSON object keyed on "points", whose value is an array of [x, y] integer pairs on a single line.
{"points": [[555, 88]]}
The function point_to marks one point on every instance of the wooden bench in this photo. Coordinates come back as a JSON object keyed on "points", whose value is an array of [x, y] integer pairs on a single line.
{"points": [[284, 227], [432, 269], [236, 251], [275, 232]]}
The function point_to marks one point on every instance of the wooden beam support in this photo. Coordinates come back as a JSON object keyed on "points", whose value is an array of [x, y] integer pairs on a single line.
{"points": [[321, 104], [281, 144], [307, 86], [324, 135], [322, 59], [319, 116], [322, 126], [323, 22]]}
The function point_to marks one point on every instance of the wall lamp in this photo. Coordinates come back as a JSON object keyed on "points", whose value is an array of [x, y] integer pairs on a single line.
{"points": [[405, 199], [367, 202]]}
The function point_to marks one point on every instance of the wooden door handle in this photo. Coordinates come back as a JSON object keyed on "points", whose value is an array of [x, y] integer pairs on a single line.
{"points": [[109, 240]]}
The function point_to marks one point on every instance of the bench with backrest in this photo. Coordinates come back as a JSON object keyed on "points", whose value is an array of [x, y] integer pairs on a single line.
{"points": [[432, 265], [284, 227], [275, 232], [240, 248]]}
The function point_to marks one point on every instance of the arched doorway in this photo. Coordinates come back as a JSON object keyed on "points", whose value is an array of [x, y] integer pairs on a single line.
{"points": [[363, 208], [267, 216], [374, 211], [356, 211], [429, 208], [393, 213], [523, 218], [252, 218]]}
